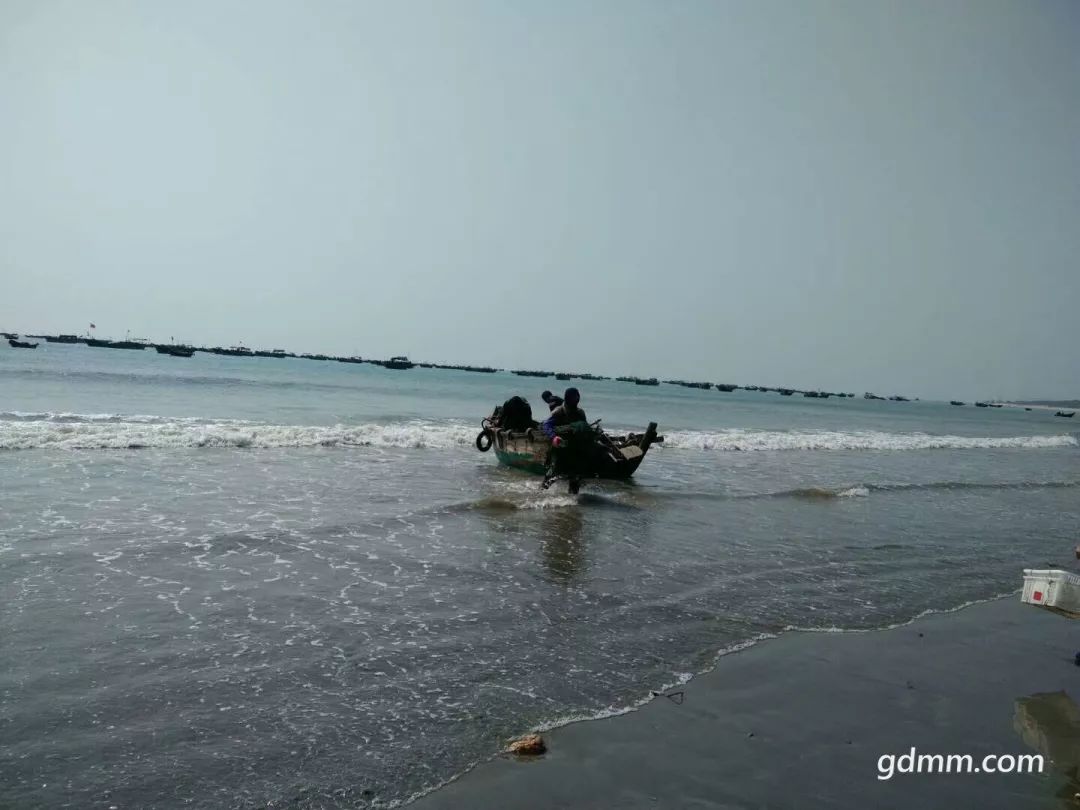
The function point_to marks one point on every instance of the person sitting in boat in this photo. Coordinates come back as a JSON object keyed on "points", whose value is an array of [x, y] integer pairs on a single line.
{"points": [[565, 414], [552, 401]]}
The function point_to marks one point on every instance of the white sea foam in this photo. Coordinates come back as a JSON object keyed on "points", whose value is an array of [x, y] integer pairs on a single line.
{"points": [[854, 492], [22, 430], [107, 431], [736, 439]]}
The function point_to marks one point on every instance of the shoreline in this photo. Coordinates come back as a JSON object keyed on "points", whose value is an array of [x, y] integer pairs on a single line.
{"points": [[802, 719]]}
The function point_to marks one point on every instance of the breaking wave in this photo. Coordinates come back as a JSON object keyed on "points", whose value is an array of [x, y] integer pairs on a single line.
{"points": [[21, 430], [864, 490], [66, 431], [736, 439]]}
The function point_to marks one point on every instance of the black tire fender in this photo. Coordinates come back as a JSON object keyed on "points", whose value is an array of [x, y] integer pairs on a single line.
{"points": [[483, 441]]}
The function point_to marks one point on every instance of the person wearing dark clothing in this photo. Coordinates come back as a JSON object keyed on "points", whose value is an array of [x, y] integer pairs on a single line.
{"points": [[552, 401], [565, 414]]}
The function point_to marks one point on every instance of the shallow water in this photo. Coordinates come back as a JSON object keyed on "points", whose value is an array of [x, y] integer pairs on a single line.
{"points": [[234, 581]]}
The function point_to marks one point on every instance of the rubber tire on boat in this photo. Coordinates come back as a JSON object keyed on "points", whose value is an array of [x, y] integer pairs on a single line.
{"points": [[483, 441]]}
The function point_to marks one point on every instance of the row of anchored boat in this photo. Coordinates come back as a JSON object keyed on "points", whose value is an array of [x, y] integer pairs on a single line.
{"points": [[185, 350], [402, 363]]}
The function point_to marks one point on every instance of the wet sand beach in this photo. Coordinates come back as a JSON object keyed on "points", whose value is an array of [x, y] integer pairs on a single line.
{"points": [[801, 721]]}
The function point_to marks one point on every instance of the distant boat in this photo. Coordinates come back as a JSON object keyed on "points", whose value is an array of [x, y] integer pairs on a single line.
{"points": [[9, 335], [868, 395], [727, 389], [996, 405], [523, 373], [116, 344], [650, 381], [982, 405], [176, 351], [955, 402], [564, 376], [64, 339], [21, 344], [232, 351], [786, 392], [898, 398], [401, 362], [1069, 415]]}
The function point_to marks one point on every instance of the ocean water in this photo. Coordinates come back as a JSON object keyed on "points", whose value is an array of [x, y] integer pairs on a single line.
{"points": [[251, 582]]}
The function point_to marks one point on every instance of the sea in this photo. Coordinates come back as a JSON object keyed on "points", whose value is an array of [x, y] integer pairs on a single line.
{"points": [[259, 582]]}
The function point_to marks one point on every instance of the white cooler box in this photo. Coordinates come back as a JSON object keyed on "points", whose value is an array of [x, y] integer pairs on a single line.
{"points": [[1057, 590]]}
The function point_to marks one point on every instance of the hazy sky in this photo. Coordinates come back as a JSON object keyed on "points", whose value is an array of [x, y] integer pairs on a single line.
{"points": [[847, 195]]}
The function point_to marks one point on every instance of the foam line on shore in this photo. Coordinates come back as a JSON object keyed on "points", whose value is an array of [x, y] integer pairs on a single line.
{"points": [[683, 678]]}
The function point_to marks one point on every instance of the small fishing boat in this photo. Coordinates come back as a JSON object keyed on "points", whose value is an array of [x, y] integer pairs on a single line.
{"points": [[176, 351], [955, 402], [589, 452], [233, 351], [400, 363], [9, 335], [116, 344], [64, 339], [982, 404], [21, 344], [1069, 415]]}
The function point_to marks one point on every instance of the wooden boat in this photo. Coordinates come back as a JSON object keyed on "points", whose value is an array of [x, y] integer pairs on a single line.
{"points": [[589, 452], [1065, 415], [955, 402], [64, 339], [21, 344]]}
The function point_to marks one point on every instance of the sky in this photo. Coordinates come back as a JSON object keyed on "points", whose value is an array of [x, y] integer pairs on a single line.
{"points": [[838, 194]]}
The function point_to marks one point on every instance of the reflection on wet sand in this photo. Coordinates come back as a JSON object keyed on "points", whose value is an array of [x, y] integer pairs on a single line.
{"points": [[1049, 722], [561, 544]]}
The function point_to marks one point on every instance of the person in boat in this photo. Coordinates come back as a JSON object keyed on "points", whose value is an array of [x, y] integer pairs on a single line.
{"points": [[565, 414], [552, 401]]}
